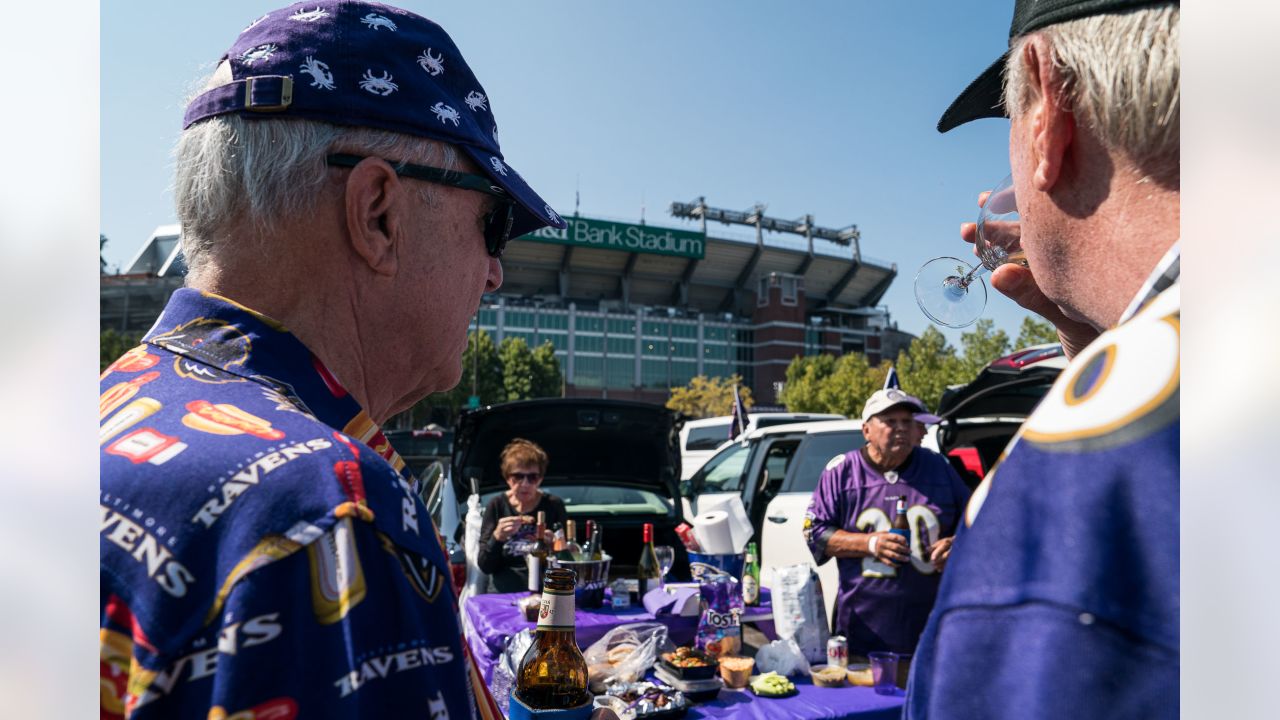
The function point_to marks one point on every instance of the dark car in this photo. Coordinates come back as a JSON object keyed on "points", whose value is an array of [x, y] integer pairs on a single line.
{"points": [[419, 448], [615, 462], [980, 418]]}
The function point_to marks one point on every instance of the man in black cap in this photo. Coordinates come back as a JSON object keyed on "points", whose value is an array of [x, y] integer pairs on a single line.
{"points": [[1061, 595], [344, 202]]}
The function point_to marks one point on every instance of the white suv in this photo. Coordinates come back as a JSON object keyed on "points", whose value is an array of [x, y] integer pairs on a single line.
{"points": [[774, 470], [700, 439]]}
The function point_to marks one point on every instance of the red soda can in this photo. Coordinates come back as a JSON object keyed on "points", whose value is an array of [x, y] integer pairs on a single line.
{"points": [[838, 651]]}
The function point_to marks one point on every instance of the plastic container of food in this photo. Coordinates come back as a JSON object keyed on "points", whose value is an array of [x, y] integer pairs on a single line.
{"points": [[828, 675], [736, 670], [688, 664], [859, 674], [694, 690]]}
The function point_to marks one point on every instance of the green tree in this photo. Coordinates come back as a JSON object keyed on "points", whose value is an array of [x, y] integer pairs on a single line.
{"points": [[517, 369], [981, 346], [802, 389], [928, 366], [112, 345], [846, 390], [709, 397], [1035, 332], [548, 381]]}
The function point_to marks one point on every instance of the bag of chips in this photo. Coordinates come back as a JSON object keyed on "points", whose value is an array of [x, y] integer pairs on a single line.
{"points": [[719, 627]]}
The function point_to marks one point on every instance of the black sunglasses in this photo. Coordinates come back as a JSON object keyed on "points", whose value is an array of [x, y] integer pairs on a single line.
{"points": [[525, 477], [497, 224]]}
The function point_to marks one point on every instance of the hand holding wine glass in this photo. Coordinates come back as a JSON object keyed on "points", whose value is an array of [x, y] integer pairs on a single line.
{"points": [[950, 291]]}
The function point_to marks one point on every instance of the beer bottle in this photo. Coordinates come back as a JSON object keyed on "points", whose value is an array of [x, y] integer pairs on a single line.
{"points": [[901, 527], [553, 674], [648, 570], [597, 543], [751, 577]]}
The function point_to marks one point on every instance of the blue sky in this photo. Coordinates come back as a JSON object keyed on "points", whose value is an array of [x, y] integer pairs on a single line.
{"points": [[810, 107]]}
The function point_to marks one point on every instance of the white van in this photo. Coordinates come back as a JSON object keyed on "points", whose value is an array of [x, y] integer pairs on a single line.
{"points": [[700, 439]]}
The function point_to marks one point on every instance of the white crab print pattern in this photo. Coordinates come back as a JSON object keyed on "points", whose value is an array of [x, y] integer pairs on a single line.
{"points": [[551, 213], [310, 15], [319, 72], [262, 52], [378, 85], [444, 112], [375, 21], [498, 166], [254, 24], [476, 101], [433, 64]]}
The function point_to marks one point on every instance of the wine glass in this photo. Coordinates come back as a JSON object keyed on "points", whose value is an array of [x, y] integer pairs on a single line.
{"points": [[666, 556], [950, 291]]}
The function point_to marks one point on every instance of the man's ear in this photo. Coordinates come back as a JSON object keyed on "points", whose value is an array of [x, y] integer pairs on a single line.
{"points": [[1051, 122], [375, 205]]}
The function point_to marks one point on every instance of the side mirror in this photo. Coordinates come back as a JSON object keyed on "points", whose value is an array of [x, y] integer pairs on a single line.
{"points": [[686, 488]]}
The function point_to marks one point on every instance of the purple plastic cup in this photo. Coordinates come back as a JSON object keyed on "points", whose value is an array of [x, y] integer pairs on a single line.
{"points": [[884, 672]]}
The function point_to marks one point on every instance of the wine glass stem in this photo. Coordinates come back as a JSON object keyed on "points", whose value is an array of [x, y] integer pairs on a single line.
{"points": [[973, 274]]}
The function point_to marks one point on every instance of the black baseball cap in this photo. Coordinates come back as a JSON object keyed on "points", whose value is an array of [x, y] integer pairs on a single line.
{"points": [[985, 96]]}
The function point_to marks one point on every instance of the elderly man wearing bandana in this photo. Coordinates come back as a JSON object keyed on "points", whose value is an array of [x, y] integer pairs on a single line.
{"points": [[887, 582], [344, 202]]}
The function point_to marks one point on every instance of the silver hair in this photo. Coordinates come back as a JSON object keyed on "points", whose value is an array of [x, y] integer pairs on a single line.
{"points": [[1121, 80], [255, 173]]}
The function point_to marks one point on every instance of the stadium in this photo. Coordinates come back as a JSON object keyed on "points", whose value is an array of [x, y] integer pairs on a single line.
{"points": [[634, 309]]}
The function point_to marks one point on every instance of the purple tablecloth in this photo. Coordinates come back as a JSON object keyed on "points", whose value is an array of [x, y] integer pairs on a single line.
{"points": [[812, 703], [489, 621]]}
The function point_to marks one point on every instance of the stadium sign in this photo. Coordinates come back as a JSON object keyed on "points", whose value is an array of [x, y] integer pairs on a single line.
{"points": [[623, 236]]}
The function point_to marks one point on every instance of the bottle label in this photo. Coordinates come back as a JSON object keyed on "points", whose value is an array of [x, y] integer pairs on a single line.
{"points": [[750, 589], [556, 612], [520, 711]]}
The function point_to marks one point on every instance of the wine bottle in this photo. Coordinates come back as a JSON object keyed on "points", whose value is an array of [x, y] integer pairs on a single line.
{"points": [[648, 570], [552, 675], [570, 551], [751, 577], [597, 543], [538, 554]]}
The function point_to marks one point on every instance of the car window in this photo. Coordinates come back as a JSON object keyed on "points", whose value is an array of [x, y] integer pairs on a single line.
{"points": [[814, 453], [708, 437], [605, 500], [723, 472], [778, 458]]}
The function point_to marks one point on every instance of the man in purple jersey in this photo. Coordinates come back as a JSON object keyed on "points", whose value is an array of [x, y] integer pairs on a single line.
{"points": [[887, 583], [1061, 598]]}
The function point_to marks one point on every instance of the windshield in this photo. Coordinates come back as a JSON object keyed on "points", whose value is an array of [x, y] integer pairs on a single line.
{"points": [[707, 437], [813, 455], [723, 472], [596, 500]]}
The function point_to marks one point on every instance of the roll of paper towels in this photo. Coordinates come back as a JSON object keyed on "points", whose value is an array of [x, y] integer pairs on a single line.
{"points": [[714, 532]]}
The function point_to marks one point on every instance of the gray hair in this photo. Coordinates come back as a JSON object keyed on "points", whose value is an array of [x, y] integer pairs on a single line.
{"points": [[257, 172], [1121, 74]]}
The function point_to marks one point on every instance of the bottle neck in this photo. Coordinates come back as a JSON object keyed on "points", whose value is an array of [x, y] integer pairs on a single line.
{"points": [[556, 613]]}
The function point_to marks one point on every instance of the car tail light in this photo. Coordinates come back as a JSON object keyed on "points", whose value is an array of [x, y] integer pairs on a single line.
{"points": [[969, 456]]}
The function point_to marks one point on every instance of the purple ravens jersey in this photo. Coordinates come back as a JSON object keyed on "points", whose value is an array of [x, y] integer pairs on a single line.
{"points": [[261, 553], [879, 607], [1060, 598]]}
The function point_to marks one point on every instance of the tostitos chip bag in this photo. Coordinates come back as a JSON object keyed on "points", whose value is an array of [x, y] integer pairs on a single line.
{"points": [[719, 627]]}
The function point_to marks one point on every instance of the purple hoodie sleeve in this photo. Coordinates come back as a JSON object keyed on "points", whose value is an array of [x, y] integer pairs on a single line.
{"points": [[826, 512]]}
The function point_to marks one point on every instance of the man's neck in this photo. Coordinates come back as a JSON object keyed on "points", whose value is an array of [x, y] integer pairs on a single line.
{"points": [[1128, 235], [882, 462], [319, 315]]}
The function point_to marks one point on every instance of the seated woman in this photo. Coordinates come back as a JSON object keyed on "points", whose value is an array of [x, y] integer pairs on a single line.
{"points": [[509, 518]]}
